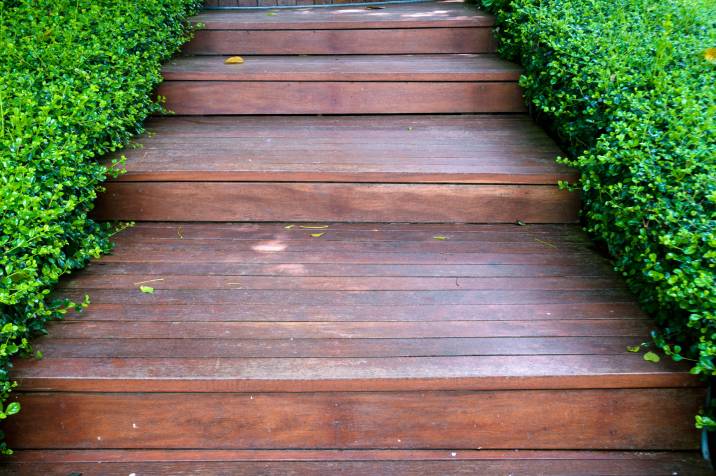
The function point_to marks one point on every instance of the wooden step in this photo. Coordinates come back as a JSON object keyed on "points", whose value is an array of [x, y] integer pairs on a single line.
{"points": [[405, 84], [439, 27], [262, 336], [360, 168], [353, 463]]}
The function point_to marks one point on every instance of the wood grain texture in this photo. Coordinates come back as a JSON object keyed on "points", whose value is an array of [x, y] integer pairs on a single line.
{"points": [[342, 42], [265, 201], [353, 462], [385, 97], [395, 149], [419, 15], [587, 419], [422, 68]]}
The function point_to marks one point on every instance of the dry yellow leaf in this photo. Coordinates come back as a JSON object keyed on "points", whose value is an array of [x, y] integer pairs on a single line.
{"points": [[234, 60], [440, 237], [316, 227], [710, 55], [317, 235]]}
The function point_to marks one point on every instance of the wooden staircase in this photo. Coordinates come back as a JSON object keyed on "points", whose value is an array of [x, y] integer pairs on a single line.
{"points": [[362, 264]]}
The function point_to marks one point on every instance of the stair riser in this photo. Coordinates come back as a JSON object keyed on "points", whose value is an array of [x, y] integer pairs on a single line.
{"points": [[284, 97], [257, 201], [531, 419], [342, 42]]}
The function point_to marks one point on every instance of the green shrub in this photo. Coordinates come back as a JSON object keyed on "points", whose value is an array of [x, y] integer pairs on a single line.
{"points": [[75, 83], [629, 89]]}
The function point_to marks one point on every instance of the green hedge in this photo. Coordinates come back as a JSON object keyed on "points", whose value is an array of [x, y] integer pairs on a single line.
{"points": [[628, 87], [75, 83]]}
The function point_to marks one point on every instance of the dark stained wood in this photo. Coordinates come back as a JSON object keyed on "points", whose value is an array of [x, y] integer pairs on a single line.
{"points": [[334, 42], [419, 15], [305, 375], [413, 149], [337, 283], [286, 97], [279, 312], [266, 201], [588, 419], [353, 462], [59, 347], [425, 68], [352, 330]]}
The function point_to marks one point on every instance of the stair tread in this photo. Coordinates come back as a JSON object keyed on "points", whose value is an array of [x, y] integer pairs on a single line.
{"points": [[354, 462], [418, 15], [425, 67], [410, 149], [346, 329]]}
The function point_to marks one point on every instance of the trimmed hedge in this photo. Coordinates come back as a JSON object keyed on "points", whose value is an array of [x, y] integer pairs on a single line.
{"points": [[628, 87], [76, 78]]}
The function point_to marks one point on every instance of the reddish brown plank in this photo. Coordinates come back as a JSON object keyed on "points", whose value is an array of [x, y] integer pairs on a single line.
{"points": [[334, 42], [418, 15], [380, 148], [354, 462], [350, 330], [279, 312], [348, 298], [285, 97], [432, 68], [579, 419], [261, 201], [274, 348], [336, 283]]}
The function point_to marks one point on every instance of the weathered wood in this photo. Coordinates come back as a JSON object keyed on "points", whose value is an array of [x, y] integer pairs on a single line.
{"points": [[578, 419], [265, 201], [341, 41], [419, 15], [353, 462], [154, 348], [422, 68], [411, 149], [364, 97]]}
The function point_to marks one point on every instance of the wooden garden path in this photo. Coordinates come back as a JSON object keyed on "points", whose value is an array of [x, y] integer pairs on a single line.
{"points": [[340, 289]]}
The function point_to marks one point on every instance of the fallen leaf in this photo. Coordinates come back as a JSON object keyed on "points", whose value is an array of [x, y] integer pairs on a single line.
{"points": [[317, 235], [271, 14], [148, 281], [520, 223], [633, 348], [710, 55], [146, 289], [546, 243], [651, 357], [317, 227], [440, 237], [234, 60], [288, 227]]}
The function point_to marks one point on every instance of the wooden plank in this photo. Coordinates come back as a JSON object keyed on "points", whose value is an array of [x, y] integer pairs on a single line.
{"points": [[287, 97], [578, 419], [337, 283], [511, 128], [262, 201], [418, 15], [347, 298], [80, 329], [334, 42], [354, 462], [336, 313], [320, 348], [439, 149], [426, 68]]}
